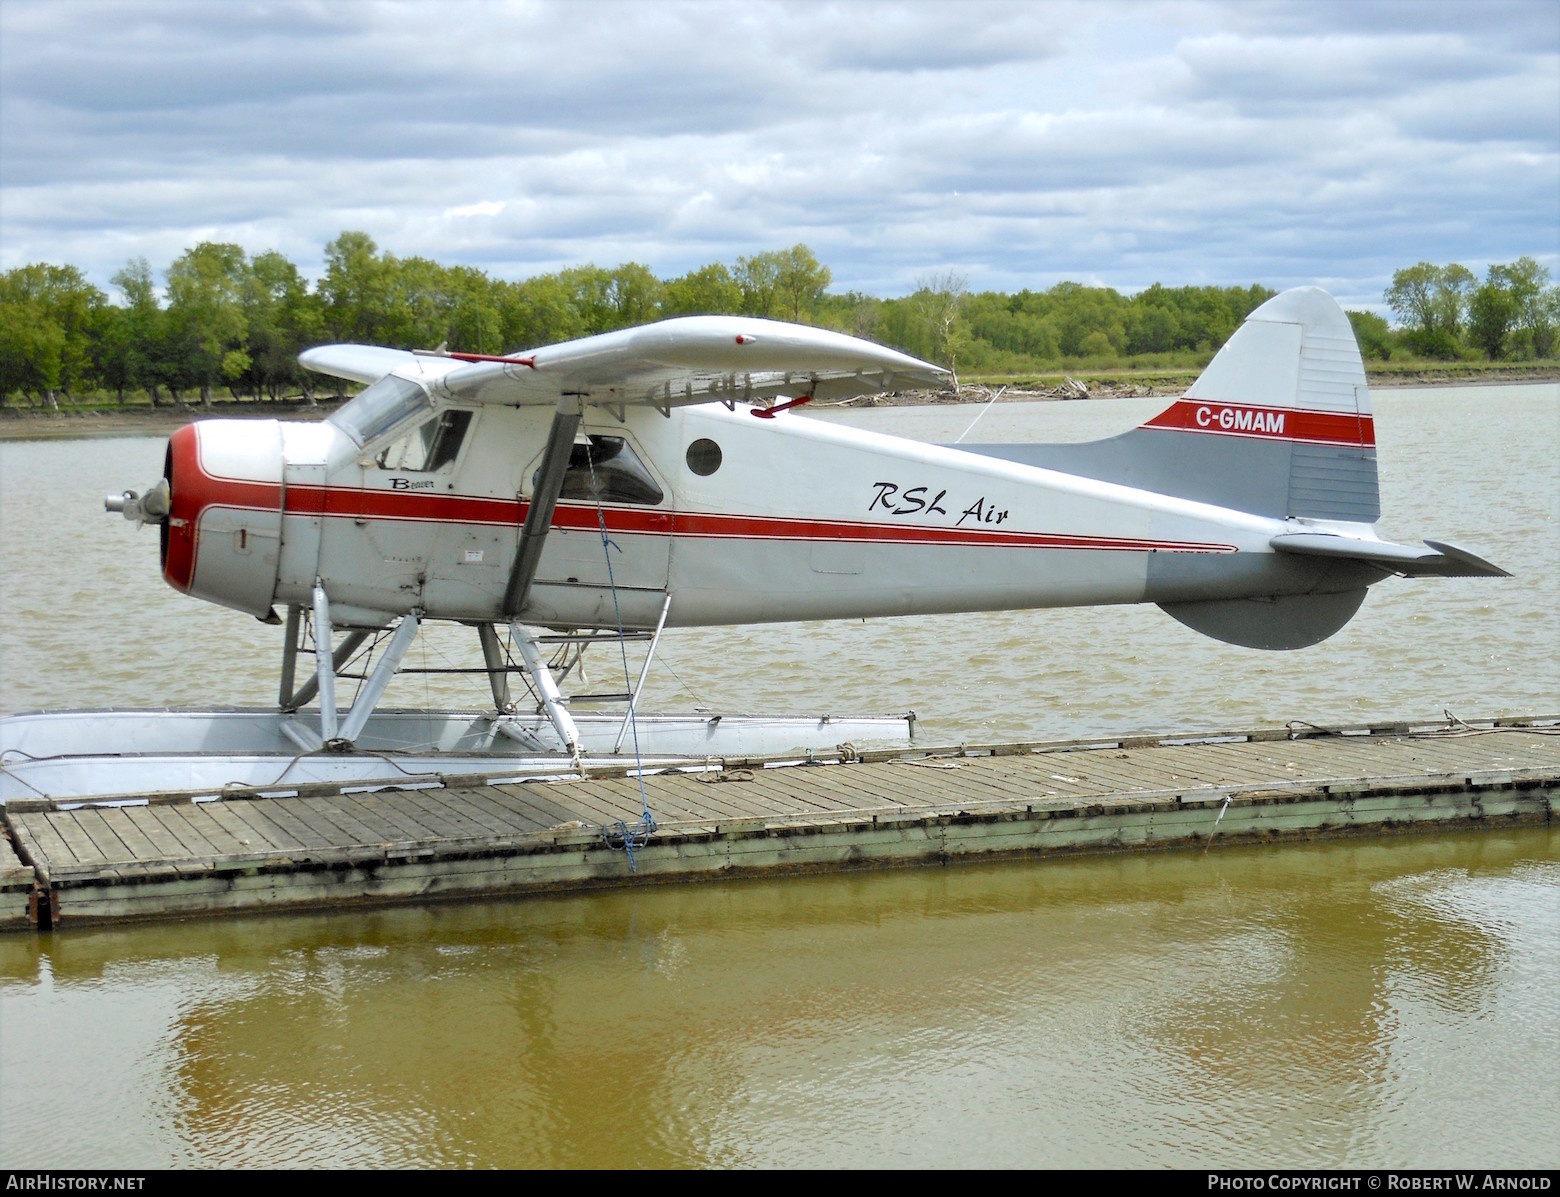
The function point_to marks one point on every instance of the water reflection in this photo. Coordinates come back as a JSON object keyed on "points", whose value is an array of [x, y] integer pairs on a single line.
{"points": [[1253, 1006]]}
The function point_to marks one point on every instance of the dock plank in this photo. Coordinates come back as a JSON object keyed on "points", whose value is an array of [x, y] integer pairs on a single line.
{"points": [[719, 800], [470, 803], [228, 818], [254, 815], [315, 813], [132, 836], [290, 814], [113, 848], [522, 819], [790, 786], [533, 798], [68, 828], [177, 841], [337, 811], [442, 822], [166, 844], [40, 841], [587, 807], [199, 817], [386, 824]]}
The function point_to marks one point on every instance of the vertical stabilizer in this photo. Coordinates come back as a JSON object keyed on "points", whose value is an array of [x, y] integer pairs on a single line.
{"points": [[1283, 412], [1278, 424]]}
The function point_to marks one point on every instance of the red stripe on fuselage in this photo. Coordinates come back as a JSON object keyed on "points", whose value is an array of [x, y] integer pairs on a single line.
{"points": [[195, 490], [1268, 423]]}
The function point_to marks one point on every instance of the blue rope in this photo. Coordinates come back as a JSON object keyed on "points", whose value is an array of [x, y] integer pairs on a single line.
{"points": [[621, 835]]}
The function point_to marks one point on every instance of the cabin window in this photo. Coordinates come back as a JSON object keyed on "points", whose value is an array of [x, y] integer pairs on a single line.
{"points": [[605, 469], [380, 408], [429, 447], [704, 457]]}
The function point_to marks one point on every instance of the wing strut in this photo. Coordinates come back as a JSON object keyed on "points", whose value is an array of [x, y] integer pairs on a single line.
{"points": [[538, 519]]}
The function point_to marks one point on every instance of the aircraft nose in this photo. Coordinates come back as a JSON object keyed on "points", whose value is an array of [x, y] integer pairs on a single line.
{"points": [[222, 534]]}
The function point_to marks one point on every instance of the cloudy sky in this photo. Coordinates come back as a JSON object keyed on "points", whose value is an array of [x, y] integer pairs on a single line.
{"points": [[1016, 144]]}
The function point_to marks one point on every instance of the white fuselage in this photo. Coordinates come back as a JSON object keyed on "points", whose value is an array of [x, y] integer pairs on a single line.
{"points": [[800, 519]]}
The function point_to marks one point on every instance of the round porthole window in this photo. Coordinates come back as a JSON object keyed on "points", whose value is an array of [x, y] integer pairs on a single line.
{"points": [[704, 457]]}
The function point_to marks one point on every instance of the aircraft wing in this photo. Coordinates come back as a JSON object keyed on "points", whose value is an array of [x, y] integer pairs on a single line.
{"points": [[358, 363], [689, 359]]}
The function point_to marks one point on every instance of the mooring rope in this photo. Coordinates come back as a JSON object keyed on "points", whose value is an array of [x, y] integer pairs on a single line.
{"points": [[620, 834]]}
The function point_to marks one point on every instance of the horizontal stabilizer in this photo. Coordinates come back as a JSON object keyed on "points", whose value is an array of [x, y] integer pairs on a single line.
{"points": [[1437, 559]]}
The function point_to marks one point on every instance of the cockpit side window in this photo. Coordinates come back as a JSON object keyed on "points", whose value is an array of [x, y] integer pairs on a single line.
{"points": [[432, 446], [380, 408], [607, 470]]}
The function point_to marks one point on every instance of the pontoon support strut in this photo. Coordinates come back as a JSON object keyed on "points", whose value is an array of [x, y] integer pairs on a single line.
{"points": [[374, 688], [324, 663], [497, 667], [552, 700], [644, 670]]}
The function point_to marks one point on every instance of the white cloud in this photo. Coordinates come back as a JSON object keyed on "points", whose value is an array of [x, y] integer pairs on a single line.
{"points": [[1016, 143], [483, 208]]}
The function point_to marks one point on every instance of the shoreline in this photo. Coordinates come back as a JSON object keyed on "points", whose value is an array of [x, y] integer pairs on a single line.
{"points": [[37, 424]]}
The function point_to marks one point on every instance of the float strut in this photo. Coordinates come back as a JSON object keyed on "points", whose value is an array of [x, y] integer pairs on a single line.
{"points": [[324, 663], [374, 688], [552, 700], [633, 699], [340, 657], [290, 653], [497, 667]]}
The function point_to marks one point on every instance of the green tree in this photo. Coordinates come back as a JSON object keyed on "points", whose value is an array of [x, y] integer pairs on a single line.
{"points": [[476, 322], [539, 311], [1432, 303], [1492, 313], [939, 303], [633, 295], [708, 291], [356, 289], [207, 289], [759, 279], [31, 342], [139, 353], [1537, 306], [1372, 334], [589, 289], [51, 319], [800, 281]]}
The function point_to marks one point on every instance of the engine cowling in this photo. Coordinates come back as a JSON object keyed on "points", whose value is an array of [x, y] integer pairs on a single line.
{"points": [[221, 540]]}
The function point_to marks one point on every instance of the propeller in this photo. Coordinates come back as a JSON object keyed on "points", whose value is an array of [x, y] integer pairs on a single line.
{"points": [[150, 508]]}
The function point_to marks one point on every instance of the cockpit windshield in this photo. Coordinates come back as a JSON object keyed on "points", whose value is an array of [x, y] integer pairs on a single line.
{"points": [[380, 408]]}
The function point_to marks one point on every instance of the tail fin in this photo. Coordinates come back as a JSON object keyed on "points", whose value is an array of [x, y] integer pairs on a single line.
{"points": [[1278, 424]]}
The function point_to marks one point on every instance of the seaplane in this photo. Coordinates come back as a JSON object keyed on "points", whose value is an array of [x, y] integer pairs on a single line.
{"points": [[660, 477]]}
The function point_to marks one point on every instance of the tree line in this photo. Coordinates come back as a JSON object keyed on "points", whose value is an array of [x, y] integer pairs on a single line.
{"points": [[227, 320]]}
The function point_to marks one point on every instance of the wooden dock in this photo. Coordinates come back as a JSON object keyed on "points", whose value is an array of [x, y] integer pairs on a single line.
{"points": [[91, 862]]}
